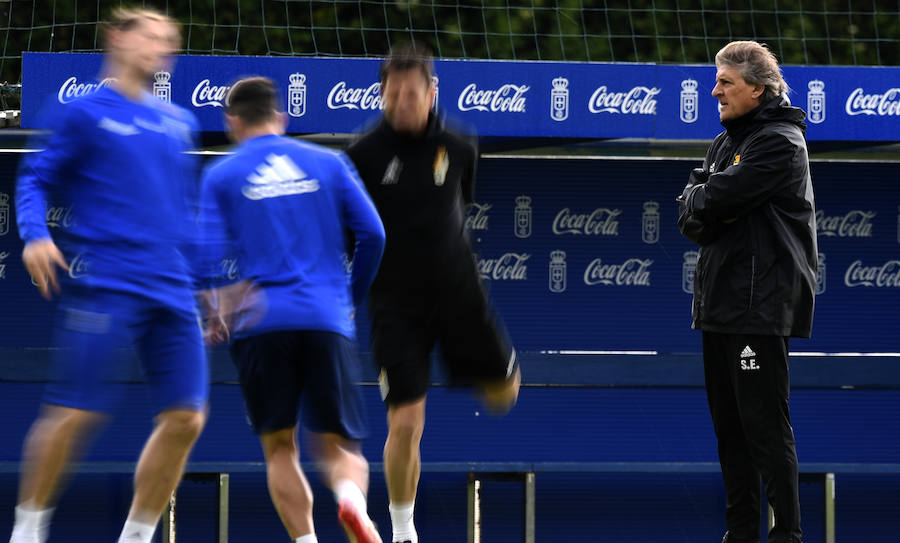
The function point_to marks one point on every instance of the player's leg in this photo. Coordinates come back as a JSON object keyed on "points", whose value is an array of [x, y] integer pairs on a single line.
{"points": [[500, 395], [401, 345], [89, 330], [346, 472], [476, 347], [333, 413], [271, 383], [403, 465], [54, 440], [288, 487], [171, 349], [159, 469]]}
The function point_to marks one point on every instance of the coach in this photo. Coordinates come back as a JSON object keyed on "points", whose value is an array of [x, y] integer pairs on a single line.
{"points": [[750, 208]]}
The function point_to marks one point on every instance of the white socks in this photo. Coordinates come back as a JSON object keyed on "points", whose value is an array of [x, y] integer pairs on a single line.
{"points": [[402, 522], [31, 525], [308, 538], [136, 532], [345, 489]]}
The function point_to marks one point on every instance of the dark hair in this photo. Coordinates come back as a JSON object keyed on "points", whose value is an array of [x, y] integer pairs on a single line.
{"points": [[253, 99], [408, 56]]}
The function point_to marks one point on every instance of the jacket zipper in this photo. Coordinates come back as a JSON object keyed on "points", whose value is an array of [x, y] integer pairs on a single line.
{"points": [[752, 280]]}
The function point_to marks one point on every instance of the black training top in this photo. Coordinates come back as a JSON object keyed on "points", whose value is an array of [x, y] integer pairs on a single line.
{"points": [[751, 209], [420, 186]]}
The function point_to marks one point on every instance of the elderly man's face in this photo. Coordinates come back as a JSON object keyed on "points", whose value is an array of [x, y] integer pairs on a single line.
{"points": [[735, 95]]}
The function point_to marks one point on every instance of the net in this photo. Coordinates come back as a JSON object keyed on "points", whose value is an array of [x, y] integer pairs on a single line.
{"points": [[834, 32]]}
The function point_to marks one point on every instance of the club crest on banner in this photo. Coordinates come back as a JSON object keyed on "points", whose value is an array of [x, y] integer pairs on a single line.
{"points": [[162, 87], [688, 269], [558, 271], [523, 217], [559, 99], [4, 213], [689, 101], [434, 82], [815, 102], [650, 227], [820, 275], [297, 95]]}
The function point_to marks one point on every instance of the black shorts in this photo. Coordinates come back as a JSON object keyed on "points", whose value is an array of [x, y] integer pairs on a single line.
{"points": [[314, 372], [473, 344]]}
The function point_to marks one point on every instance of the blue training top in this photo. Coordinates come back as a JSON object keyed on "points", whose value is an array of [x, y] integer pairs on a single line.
{"points": [[285, 210], [122, 168]]}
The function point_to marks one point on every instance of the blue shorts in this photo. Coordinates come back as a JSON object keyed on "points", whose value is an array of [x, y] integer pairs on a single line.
{"points": [[314, 372], [94, 332]]}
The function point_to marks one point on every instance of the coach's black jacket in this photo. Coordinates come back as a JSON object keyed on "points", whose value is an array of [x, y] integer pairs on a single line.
{"points": [[420, 186], [751, 209]]}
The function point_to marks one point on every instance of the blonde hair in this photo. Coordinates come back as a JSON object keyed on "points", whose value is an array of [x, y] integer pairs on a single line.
{"points": [[756, 64], [125, 19]]}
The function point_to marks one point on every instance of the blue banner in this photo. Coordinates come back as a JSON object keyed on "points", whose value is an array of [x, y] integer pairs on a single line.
{"points": [[585, 254], [582, 254], [497, 98]]}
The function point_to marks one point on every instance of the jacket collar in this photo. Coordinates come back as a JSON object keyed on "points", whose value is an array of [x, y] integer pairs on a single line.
{"points": [[776, 109], [433, 128]]}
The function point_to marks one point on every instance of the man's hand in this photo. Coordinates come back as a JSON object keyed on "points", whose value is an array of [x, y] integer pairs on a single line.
{"points": [[698, 177], [41, 258], [215, 332]]}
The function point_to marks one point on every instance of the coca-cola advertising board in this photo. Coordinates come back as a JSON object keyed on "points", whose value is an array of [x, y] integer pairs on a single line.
{"points": [[496, 98], [585, 254]]}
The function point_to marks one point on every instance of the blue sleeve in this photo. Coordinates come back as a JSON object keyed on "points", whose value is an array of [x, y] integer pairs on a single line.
{"points": [[191, 186], [215, 242], [360, 215], [44, 171]]}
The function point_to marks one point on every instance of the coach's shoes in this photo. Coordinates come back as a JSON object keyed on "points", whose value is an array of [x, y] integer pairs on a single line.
{"points": [[357, 524]]}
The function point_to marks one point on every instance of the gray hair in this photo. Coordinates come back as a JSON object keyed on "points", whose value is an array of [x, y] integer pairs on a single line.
{"points": [[756, 64]]}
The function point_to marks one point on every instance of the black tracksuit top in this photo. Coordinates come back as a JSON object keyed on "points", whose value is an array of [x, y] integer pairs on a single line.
{"points": [[420, 186], [751, 209]]}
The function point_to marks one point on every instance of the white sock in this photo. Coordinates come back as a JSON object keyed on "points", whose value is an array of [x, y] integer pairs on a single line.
{"points": [[31, 524], [402, 522], [345, 489], [308, 538], [137, 532]]}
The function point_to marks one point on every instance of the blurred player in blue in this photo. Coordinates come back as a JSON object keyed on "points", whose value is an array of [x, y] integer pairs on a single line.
{"points": [[283, 209], [117, 157]]}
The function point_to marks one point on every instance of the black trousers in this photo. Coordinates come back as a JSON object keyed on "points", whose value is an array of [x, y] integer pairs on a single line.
{"points": [[748, 388]]}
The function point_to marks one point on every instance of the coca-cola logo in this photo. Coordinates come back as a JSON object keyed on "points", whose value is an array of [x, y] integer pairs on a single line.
{"points": [[634, 272], [78, 267], [600, 222], [854, 224], [886, 104], [637, 101], [367, 99], [508, 98], [509, 267], [60, 217], [207, 94], [72, 89], [477, 217], [230, 268], [887, 275]]}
